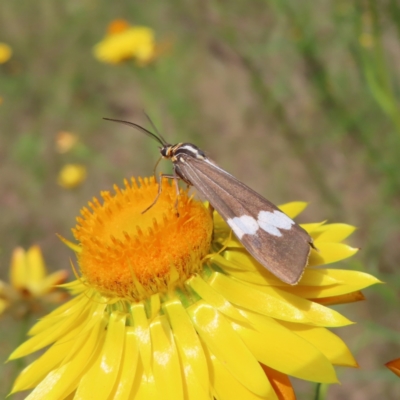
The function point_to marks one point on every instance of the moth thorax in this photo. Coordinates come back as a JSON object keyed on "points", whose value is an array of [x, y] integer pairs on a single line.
{"points": [[191, 150]]}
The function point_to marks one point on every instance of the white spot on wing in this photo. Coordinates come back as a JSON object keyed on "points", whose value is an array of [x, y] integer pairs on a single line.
{"points": [[271, 222], [243, 225]]}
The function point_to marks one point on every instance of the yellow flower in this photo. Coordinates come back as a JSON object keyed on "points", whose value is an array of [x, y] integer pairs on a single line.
{"points": [[5, 52], [65, 141], [71, 175], [124, 42], [29, 283], [394, 366], [169, 306]]}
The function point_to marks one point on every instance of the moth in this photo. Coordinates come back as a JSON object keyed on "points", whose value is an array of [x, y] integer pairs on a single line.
{"points": [[269, 235]]}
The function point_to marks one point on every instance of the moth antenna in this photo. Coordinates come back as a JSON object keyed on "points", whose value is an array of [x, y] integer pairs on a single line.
{"points": [[160, 140], [155, 128]]}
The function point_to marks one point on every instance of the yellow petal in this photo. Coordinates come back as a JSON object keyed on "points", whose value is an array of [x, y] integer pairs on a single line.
{"points": [[51, 280], [296, 357], [166, 367], [212, 297], [76, 287], [73, 246], [98, 381], [347, 282], [60, 329], [316, 277], [37, 371], [233, 242], [37, 269], [312, 226], [61, 381], [129, 367], [294, 208], [332, 276], [221, 339], [18, 269], [329, 253], [46, 389], [145, 388], [332, 233], [244, 267], [41, 340], [325, 341], [251, 277], [187, 341], [192, 388], [235, 259], [155, 305], [142, 334], [90, 321], [71, 307], [357, 278], [275, 303], [227, 387]]}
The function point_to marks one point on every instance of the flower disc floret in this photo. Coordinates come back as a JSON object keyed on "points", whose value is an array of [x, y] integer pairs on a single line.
{"points": [[128, 253]]}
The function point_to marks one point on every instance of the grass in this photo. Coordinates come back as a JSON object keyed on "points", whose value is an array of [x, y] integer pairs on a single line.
{"points": [[299, 100]]}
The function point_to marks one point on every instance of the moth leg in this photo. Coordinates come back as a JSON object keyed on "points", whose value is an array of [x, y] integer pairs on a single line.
{"points": [[155, 167], [176, 177], [160, 190], [313, 245], [211, 210]]}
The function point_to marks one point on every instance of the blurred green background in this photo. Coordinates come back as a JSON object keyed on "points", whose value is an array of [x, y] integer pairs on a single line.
{"points": [[298, 99]]}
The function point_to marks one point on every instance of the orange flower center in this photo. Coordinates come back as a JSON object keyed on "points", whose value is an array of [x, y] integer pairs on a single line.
{"points": [[117, 26], [130, 254]]}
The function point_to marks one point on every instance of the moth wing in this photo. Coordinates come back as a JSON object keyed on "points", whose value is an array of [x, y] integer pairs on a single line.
{"points": [[269, 235]]}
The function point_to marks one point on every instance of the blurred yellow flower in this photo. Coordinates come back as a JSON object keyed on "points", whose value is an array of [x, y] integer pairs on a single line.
{"points": [[170, 306], [124, 42], [65, 141], [71, 175], [30, 285], [5, 52], [366, 40]]}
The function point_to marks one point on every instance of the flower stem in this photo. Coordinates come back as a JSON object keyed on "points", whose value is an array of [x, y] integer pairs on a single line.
{"points": [[321, 391]]}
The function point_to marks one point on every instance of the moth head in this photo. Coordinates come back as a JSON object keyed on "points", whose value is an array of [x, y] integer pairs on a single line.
{"points": [[166, 151]]}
